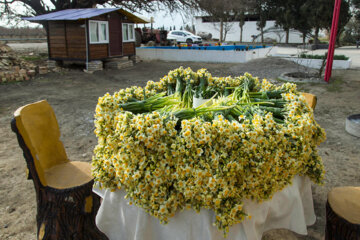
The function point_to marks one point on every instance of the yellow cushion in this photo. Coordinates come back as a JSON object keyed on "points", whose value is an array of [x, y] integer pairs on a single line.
{"points": [[68, 175], [310, 99], [38, 126], [345, 202]]}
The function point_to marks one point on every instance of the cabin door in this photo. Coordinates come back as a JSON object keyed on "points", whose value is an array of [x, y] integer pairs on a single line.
{"points": [[115, 35]]}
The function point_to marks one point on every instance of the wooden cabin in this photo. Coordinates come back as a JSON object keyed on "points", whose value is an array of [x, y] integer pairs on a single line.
{"points": [[89, 34]]}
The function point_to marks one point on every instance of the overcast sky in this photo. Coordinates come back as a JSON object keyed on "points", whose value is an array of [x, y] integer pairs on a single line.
{"points": [[161, 18]]}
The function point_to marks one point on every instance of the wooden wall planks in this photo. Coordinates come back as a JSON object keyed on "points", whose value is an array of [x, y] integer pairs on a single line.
{"points": [[67, 40]]}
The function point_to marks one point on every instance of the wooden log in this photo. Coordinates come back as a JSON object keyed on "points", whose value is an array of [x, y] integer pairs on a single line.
{"points": [[337, 228]]}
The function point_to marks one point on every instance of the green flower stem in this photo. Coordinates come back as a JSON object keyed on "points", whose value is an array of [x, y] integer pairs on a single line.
{"points": [[179, 89]]}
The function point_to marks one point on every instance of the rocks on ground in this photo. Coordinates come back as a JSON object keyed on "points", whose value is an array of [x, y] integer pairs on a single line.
{"points": [[15, 67]]}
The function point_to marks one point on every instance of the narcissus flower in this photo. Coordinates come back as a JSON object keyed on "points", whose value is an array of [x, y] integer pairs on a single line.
{"points": [[166, 165]]}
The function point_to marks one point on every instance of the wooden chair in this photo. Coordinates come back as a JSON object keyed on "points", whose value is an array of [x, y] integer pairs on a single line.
{"points": [[343, 214], [311, 99], [66, 205]]}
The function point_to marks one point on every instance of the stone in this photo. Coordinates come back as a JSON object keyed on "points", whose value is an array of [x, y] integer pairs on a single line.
{"points": [[119, 64], [52, 64], [14, 68], [32, 66], [56, 69], [118, 59], [4, 62], [5, 49], [10, 209], [22, 72], [135, 59], [31, 73], [43, 70], [95, 66]]}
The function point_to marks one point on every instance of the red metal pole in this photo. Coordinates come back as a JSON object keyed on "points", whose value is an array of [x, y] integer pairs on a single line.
{"points": [[331, 50], [334, 25], [337, 6]]}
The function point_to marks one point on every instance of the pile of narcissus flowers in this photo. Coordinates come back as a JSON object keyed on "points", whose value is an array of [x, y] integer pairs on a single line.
{"points": [[247, 141]]}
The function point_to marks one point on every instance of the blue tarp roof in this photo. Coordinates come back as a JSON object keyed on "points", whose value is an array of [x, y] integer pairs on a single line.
{"points": [[71, 14], [82, 13]]}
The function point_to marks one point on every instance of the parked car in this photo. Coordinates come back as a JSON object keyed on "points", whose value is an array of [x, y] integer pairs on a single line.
{"points": [[183, 36]]}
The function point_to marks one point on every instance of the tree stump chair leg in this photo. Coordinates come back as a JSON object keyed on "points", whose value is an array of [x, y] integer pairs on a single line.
{"points": [[337, 228], [68, 215]]}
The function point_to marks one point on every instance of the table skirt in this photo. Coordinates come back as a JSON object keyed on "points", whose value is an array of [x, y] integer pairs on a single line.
{"points": [[292, 208]]}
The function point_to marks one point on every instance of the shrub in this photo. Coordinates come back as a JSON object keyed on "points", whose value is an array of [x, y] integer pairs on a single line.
{"points": [[311, 56]]}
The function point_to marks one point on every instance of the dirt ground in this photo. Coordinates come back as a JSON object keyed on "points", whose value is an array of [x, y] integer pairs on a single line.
{"points": [[73, 95]]}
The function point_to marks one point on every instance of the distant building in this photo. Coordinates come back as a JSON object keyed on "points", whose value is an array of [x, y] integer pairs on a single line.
{"points": [[251, 33], [89, 34]]}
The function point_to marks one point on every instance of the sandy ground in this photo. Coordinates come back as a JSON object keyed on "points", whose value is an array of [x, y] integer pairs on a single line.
{"points": [[74, 94]]}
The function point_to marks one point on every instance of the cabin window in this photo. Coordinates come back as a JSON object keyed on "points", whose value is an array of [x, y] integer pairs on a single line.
{"points": [[128, 32], [99, 31]]}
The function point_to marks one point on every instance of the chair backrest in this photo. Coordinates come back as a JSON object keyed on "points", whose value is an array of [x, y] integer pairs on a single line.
{"points": [[311, 99], [37, 125]]}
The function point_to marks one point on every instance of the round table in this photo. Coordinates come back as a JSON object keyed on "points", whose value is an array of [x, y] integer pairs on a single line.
{"points": [[292, 208]]}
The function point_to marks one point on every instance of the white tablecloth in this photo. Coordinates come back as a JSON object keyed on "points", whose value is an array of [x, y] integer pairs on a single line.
{"points": [[292, 208]]}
